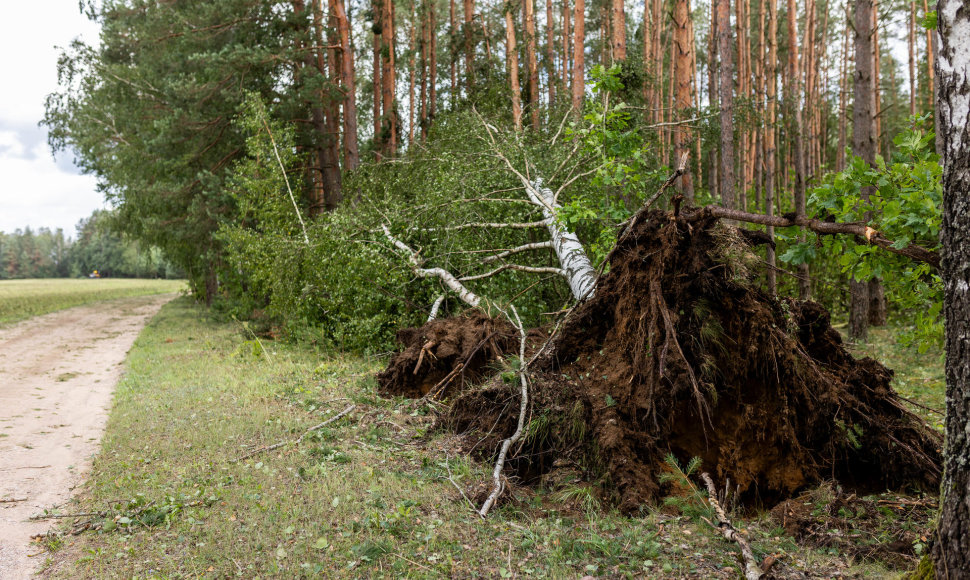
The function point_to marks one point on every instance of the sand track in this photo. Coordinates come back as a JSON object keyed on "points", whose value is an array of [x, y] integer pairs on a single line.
{"points": [[57, 376]]}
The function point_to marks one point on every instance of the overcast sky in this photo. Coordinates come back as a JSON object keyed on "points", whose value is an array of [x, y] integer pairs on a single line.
{"points": [[36, 190]]}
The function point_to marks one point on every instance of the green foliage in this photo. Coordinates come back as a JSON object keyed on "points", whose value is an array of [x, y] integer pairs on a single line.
{"points": [[149, 111], [904, 205], [624, 169]]}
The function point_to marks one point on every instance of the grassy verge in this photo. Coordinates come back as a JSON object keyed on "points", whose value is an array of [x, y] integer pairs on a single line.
{"points": [[20, 299], [373, 494]]}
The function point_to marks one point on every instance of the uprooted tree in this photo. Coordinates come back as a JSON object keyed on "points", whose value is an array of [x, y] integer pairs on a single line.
{"points": [[674, 350]]}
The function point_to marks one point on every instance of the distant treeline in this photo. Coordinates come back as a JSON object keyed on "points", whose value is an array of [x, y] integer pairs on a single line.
{"points": [[43, 253]]}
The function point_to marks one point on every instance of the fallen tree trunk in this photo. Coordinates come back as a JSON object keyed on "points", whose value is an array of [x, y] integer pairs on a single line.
{"points": [[577, 269]]}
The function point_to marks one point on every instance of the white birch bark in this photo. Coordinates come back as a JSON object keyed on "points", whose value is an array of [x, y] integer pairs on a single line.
{"points": [[579, 271], [449, 280]]}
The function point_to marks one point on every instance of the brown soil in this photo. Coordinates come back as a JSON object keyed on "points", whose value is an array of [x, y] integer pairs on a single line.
{"points": [[57, 374], [444, 353], [884, 528], [679, 353]]}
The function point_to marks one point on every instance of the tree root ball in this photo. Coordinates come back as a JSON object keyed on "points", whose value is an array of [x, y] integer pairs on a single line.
{"points": [[679, 353]]}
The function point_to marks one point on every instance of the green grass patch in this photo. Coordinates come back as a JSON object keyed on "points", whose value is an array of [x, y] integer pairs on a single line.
{"points": [[918, 377], [20, 299], [372, 494]]}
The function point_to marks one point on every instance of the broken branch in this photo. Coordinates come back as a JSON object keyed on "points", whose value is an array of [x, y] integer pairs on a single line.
{"points": [[751, 569], [860, 229]]}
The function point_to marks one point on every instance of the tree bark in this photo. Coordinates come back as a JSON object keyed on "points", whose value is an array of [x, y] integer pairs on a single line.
{"points": [[347, 82], [532, 62], [454, 57], [550, 53], [863, 145], [377, 29], [911, 46], [725, 49], [579, 83], [389, 125], [683, 51], [512, 57], [618, 31], [795, 139], [771, 73], [951, 551], [469, 8]]}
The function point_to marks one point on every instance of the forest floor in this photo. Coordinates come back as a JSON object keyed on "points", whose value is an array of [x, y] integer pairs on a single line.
{"points": [[57, 373], [177, 490]]}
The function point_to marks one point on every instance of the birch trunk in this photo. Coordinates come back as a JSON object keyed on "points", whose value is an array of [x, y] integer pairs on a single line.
{"points": [[951, 551], [578, 270]]}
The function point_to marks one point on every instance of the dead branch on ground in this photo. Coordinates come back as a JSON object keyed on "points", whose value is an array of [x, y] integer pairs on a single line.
{"points": [[751, 569]]}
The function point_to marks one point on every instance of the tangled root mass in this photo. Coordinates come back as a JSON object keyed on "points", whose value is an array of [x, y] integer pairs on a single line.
{"points": [[679, 353]]}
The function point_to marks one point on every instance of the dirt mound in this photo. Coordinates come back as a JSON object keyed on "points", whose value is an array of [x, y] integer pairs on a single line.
{"points": [[679, 353], [894, 530], [444, 353]]}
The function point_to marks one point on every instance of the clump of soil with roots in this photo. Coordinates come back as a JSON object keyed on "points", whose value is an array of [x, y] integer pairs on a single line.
{"points": [[678, 352]]}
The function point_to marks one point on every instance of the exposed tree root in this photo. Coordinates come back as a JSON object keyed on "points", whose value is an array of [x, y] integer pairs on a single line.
{"points": [[679, 353]]}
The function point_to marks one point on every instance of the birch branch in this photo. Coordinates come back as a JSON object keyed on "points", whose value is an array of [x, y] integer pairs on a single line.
{"points": [[516, 250], [751, 569], [449, 280], [520, 225], [520, 268], [435, 307], [286, 179], [497, 485]]}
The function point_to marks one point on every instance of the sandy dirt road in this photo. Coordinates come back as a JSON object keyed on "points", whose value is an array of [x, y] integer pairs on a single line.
{"points": [[57, 376]]}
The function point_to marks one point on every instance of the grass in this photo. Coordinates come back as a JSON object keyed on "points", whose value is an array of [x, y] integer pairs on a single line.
{"points": [[374, 494], [917, 376], [20, 299]]}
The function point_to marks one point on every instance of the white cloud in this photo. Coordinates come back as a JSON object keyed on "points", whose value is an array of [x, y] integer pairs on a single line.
{"points": [[34, 189]]}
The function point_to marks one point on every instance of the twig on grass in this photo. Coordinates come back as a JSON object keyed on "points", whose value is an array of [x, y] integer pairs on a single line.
{"points": [[58, 516], [298, 440], [751, 569]]}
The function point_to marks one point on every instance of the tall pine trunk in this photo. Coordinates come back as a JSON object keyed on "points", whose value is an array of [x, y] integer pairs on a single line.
{"points": [[388, 84], [771, 94], [727, 103], [550, 53], [348, 86], [683, 69], [798, 151], [579, 83], [863, 145], [532, 62], [512, 58], [618, 30]]}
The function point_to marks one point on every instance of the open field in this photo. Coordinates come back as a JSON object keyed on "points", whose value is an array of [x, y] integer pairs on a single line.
{"points": [[376, 492], [20, 299]]}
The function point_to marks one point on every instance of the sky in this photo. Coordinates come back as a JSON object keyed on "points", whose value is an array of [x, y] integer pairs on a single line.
{"points": [[35, 189]]}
